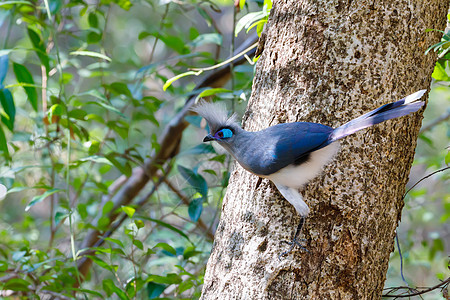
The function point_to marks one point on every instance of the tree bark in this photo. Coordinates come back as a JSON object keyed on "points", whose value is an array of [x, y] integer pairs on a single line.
{"points": [[328, 62]]}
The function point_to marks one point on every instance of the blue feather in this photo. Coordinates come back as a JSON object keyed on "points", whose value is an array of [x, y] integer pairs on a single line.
{"points": [[288, 143]]}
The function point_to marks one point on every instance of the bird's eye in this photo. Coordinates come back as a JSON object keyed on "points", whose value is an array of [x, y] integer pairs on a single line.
{"points": [[224, 133]]}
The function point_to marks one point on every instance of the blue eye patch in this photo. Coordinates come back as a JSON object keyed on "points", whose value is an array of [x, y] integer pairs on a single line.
{"points": [[224, 133]]}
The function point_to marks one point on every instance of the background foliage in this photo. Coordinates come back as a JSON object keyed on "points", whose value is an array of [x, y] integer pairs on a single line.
{"points": [[83, 109]]}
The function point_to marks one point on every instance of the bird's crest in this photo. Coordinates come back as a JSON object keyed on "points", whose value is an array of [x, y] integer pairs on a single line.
{"points": [[215, 114]]}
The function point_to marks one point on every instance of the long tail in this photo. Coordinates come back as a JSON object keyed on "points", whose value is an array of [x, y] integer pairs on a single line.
{"points": [[388, 111]]}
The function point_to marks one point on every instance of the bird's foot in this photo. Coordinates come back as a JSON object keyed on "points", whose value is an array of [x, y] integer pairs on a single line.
{"points": [[295, 241]]}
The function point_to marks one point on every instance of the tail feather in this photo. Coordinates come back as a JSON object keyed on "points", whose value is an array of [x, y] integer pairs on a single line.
{"points": [[386, 112]]}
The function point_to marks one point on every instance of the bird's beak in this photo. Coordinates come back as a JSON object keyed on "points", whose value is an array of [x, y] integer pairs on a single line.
{"points": [[208, 138]]}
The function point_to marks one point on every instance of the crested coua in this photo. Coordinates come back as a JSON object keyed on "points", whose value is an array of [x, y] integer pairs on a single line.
{"points": [[291, 154]]}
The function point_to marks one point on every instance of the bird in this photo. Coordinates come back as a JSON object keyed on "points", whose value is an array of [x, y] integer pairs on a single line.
{"points": [[291, 154]]}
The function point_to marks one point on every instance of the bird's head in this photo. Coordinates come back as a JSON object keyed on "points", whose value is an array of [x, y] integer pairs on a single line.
{"points": [[223, 129]]}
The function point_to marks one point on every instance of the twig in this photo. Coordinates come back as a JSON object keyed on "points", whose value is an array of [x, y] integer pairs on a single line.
{"points": [[423, 178], [401, 259], [161, 24], [443, 284]]}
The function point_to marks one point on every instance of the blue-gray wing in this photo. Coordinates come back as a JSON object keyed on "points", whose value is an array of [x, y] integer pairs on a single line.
{"points": [[281, 145]]}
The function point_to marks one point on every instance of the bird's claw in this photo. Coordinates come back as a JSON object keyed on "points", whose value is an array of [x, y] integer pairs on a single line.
{"points": [[293, 243]]}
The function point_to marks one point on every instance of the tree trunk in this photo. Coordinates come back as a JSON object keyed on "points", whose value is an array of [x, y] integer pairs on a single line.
{"points": [[328, 62]]}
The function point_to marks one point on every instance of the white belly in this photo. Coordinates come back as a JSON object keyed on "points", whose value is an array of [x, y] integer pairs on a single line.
{"points": [[297, 176]]}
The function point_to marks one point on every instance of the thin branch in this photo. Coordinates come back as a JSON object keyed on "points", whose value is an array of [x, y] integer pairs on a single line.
{"points": [[401, 258], [161, 24], [423, 178], [443, 284]]}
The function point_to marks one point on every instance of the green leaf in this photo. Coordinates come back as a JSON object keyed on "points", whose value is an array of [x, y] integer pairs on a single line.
{"points": [[3, 266], [96, 159], [108, 107], [209, 171], [225, 178], [107, 208], [249, 19], [139, 224], [93, 37], [128, 210], [241, 4], [195, 209], [206, 17], [437, 246], [7, 102], [103, 223], [24, 76], [79, 114], [55, 5], [115, 241], [94, 147], [124, 167], [91, 54], [101, 263], [40, 198], [170, 278], [120, 88], [110, 288], [93, 19], [207, 38], [4, 3], [439, 72], [91, 292], [16, 284], [184, 286], [138, 244], [426, 139], [190, 252], [39, 48], [124, 4], [166, 247], [55, 110], [154, 290], [195, 180], [121, 128], [175, 78], [447, 158], [258, 23], [166, 225], [82, 210], [95, 94], [173, 42], [60, 216], [210, 92]]}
